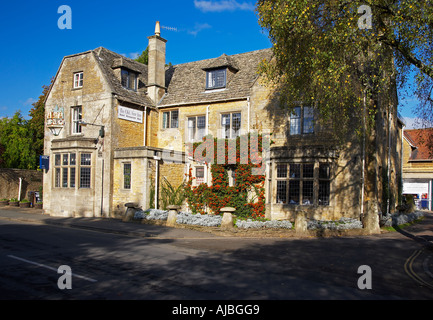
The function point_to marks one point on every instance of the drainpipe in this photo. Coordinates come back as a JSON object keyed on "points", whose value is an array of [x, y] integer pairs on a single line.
{"points": [[389, 161], [19, 189], [156, 178], [249, 111], [145, 126], [363, 160]]}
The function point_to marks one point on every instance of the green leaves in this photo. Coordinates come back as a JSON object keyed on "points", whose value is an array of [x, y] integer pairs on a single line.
{"points": [[323, 58]]}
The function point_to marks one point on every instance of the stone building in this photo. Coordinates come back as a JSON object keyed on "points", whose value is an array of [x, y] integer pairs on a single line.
{"points": [[418, 166], [124, 126]]}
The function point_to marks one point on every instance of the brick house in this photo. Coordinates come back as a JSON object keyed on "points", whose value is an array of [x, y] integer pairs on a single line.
{"points": [[124, 126], [418, 166]]}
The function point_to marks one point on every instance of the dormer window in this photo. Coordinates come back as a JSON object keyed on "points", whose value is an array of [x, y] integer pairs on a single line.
{"points": [[216, 79], [129, 80]]}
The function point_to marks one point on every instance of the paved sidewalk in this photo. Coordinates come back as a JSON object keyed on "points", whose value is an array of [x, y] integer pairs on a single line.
{"points": [[421, 232], [114, 226]]}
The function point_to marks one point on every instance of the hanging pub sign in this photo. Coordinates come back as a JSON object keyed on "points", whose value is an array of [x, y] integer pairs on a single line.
{"points": [[130, 114], [56, 119]]}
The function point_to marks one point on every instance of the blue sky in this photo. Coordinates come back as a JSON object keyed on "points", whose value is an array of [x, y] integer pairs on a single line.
{"points": [[33, 45]]}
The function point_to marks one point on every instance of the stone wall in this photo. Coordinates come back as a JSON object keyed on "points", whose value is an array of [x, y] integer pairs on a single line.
{"points": [[9, 182]]}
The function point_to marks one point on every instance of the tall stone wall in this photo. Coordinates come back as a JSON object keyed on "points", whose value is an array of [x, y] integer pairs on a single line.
{"points": [[10, 182]]}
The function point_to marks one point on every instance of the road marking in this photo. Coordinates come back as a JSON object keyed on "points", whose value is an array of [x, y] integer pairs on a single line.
{"points": [[50, 268], [409, 270]]}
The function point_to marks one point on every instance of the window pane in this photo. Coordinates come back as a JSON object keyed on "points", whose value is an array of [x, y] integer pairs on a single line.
{"points": [[127, 176], [294, 192], [308, 125], [132, 81], [216, 79], [57, 160], [307, 192], [76, 117], [65, 178], [65, 159], [165, 120], [281, 191], [324, 171], [57, 178], [84, 177], [225, 124], [73, 160], [86, 159], [282, 171], [174, 119], [324, 191], [125, 78], [236, 124], [201, 127], [295, 170], [308, 170], [72, 177], [191, 129], [295, 121]]}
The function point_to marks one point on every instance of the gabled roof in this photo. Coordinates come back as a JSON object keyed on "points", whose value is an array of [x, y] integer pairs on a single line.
{"points": [[109, 61], [186, 83], [421, 140]]}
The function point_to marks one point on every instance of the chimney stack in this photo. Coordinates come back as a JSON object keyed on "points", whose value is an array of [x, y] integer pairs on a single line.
{"points": [[156, 65]]}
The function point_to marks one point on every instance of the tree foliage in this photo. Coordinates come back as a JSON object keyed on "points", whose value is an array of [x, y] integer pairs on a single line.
{"points": [[324, 58], [143, 57], [21, 140], [16, 139]]}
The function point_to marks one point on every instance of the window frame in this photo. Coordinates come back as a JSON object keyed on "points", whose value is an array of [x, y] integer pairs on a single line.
{"points": [[76, 116], [128, 74], [168, 119], [194, 133], [65, 170], [85, 177], [213, 81], [78, 82], [295, 185], [299, 119], [231, 131], [127, 183]]}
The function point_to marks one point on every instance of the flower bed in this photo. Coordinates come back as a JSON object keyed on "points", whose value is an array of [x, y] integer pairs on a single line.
{"points": [[250, 224], [402, 218], [342, 224]]}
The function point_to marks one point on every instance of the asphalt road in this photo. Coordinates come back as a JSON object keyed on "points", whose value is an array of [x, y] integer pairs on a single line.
{"points": [[117, 266]]}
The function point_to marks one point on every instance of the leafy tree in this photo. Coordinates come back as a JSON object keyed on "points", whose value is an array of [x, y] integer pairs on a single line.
{"points": [[327, 55], [37, 121], [144, 57], [17, 141]]}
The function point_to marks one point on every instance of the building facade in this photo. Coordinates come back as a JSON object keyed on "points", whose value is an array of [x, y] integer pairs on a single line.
{"points": [[124, 127], [418, 166]]}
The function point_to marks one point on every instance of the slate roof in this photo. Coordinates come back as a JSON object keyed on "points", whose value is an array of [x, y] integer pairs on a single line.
{"points": [[109, 61], [186, 83], [420, 140]]}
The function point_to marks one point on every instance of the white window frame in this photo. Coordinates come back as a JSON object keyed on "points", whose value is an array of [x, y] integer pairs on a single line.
{"points": [[194, 131], [78, 80], [76, 115], [232, 134]]}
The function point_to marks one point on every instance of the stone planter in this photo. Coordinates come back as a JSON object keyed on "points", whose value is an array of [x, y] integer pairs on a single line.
{"points": [[24, 204], [14, 204], [4, 203], [38, 205]]}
